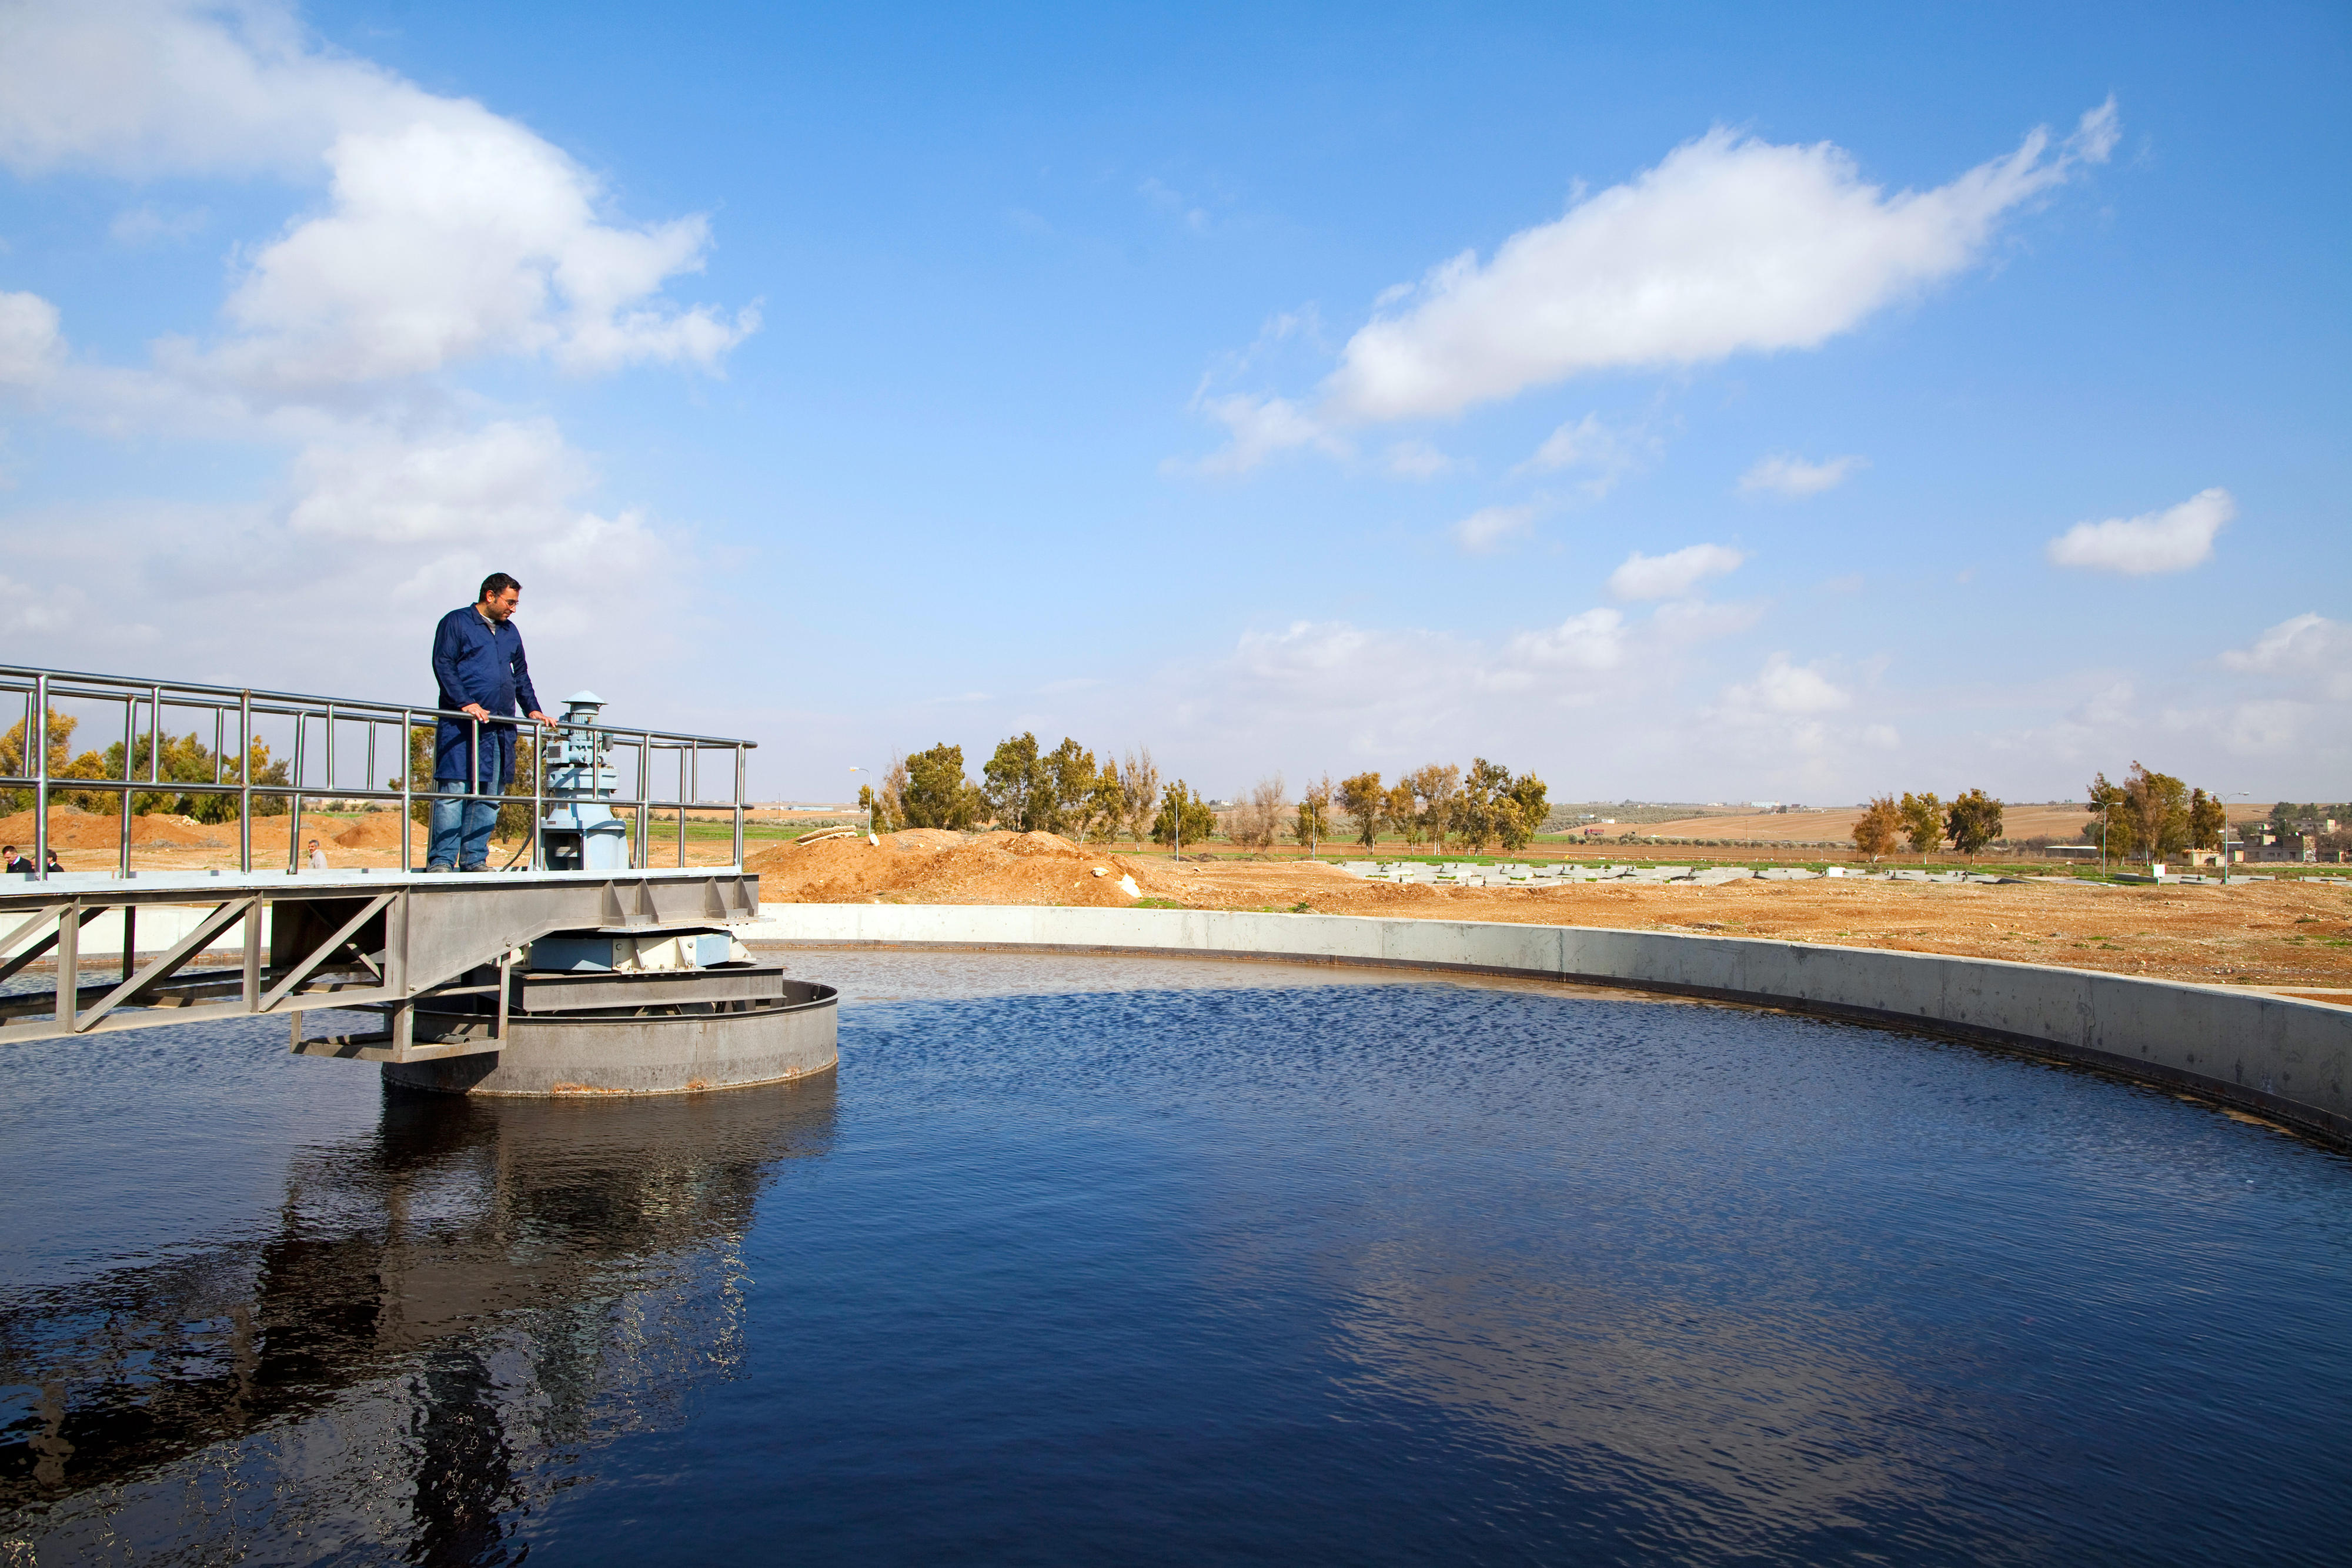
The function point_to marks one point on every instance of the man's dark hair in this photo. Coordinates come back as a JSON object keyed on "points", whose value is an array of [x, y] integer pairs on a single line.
{"points": [[497, 582]]}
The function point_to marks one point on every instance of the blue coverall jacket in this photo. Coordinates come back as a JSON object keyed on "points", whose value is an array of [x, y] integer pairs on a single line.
{"points": [[476, 663]]}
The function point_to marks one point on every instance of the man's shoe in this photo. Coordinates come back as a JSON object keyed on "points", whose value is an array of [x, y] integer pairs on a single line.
{"points": [[440, 865], [478, 865]]}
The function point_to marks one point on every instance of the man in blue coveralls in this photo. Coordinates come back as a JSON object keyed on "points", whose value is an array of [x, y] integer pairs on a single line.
{"points": [[477, 658]]}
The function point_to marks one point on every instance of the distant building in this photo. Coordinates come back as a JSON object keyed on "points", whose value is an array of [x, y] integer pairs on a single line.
{"points": [[2261, 846]]}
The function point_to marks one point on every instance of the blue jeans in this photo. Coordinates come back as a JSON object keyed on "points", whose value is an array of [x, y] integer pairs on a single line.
{"points": [[463, 818]]}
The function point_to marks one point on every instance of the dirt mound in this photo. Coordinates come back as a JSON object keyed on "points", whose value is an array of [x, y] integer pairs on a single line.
{"points": [[924, 839], [928, 866], [161, 829], [376, 830], [1035, 844], [71, 828]]}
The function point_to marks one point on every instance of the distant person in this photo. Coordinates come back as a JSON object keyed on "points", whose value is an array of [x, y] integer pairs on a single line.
{"points": [[54, 866], [478, 659], [317, 856], [16, 863]]}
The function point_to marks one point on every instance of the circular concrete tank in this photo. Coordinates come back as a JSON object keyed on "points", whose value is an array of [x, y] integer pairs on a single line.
{"points": [[638, 1050]]}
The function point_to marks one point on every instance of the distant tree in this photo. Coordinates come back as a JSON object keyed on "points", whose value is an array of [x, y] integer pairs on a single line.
{"points": [[1923, 821], [1437, 797], [420, 782], [2207, 819], [1973, 822], [1180, 806], [892, 804], [1484, 800], [2156, 805], [1532, 798], [2108, 818], [1314, 822], [938, 795], [1019, 788], [515, 817], [1880, 829], [1104, 815], [1255, 821], [870, 802], [1367, 805], [1138, 790], [1066, 793], [1402, 812], [16, 760]]}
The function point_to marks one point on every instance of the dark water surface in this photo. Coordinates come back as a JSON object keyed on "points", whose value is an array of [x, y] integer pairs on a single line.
{"points": [[1174, 1262]]}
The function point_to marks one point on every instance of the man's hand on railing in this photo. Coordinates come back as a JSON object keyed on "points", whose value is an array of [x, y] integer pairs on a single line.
{"points": [[541, 719], [477, 709]]}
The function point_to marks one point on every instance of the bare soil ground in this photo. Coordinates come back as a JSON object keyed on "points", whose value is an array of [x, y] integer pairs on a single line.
{"points": [[2287, 935]]}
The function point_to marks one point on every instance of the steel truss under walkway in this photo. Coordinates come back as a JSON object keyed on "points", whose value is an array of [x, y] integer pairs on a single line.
{"points": [[393, 942]]}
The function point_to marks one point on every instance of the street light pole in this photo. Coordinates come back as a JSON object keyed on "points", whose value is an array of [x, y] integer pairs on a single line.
{"points": [[2233, 795]]}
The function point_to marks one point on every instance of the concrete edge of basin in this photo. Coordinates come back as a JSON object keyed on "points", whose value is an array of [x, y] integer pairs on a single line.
{"points": [[2285, 1060]]}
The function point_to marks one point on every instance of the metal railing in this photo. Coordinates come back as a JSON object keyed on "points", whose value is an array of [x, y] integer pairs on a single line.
{"points": [[312, 760]]}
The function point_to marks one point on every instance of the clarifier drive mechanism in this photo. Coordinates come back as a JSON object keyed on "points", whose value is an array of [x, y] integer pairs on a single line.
{"points": [[581, 834]]}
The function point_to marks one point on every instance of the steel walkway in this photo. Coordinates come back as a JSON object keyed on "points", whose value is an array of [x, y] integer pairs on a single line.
{"points": [[386, 939]]}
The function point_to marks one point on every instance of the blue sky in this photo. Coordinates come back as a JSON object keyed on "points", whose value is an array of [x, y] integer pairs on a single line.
{"points": [[1695, 404]]}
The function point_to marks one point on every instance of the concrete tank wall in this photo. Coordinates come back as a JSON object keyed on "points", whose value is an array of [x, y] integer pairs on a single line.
{"points": [[585, 1053], [2290, 1061]]}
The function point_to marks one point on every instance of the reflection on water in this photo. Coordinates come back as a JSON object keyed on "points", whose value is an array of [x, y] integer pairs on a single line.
{"points": [[1174, 1262], [439, 1323]]}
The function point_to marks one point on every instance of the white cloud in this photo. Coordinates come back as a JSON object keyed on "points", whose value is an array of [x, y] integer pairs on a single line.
{"points": [[148, 224], [2310, 648], [1418, 460], [1491, 528], [1782, 687], [2171, 540], [449, 232], [1697, 621], [150, 87], [1260, 427], [1600, 704], [507, 481], [2274, 728], [1594, 640], [458, 235], [1782, 475], [1673, 575], [1611, 452], [1175, 204], [381, 531], [30, 344], [441, 234], [2107, 708], [1377, 690], [39, 610], [1729, 245]]}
